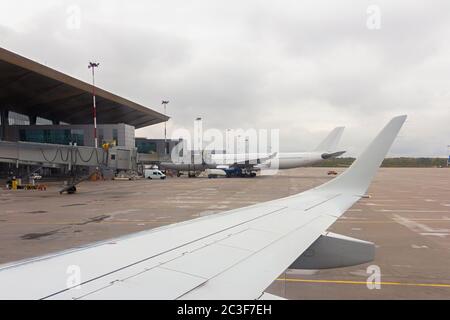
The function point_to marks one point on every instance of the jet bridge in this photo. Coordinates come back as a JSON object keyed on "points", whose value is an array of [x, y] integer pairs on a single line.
{"points": [[52, 155]]}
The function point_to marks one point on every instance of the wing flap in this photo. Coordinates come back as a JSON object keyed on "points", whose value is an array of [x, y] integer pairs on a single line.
{"points": [[208, 261], [164, 284]]}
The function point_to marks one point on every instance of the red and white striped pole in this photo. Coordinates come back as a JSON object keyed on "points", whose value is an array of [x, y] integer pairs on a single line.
{"points": [[92, 66]]}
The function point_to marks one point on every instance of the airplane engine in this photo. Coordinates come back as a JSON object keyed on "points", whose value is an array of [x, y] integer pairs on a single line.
{"points": [[335, 251]]}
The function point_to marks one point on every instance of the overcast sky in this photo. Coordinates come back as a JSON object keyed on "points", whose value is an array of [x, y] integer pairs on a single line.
{"points": [[302, 67]]}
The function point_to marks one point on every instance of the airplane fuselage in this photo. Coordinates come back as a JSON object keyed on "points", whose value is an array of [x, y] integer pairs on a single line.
{"points": [[280, 161], [294, 160]]}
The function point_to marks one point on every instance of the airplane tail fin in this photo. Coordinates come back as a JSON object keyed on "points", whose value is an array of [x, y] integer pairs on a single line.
{"points": [[359, 176], [331, 141]]}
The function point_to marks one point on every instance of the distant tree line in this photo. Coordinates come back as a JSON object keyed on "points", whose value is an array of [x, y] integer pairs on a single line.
{"points": [[402, 162]]}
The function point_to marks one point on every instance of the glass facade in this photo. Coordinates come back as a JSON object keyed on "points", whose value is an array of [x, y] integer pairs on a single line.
{"points": [[101, 136], [115, 134], [144, 146], [77, 136], [82, 135], [52, 136]]}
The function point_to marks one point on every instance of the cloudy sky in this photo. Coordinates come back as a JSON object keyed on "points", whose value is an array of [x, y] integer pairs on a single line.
{"points": [[302, 67]]}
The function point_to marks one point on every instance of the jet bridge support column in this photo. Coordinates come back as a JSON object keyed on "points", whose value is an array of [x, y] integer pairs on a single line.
{"points": [[33, 119], [4, 123]]}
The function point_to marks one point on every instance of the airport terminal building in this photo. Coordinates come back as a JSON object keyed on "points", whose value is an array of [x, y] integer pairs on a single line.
{"points": [[44, 112]]}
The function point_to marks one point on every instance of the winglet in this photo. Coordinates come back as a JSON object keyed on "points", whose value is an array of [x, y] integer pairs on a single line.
{"points": [[359, 176], [331, 141]]}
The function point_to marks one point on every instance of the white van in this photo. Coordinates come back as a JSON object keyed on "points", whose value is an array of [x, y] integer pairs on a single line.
{"points": [[215, 173], [154, 174]]}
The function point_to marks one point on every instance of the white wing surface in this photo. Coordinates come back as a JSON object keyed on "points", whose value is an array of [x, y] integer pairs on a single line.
{"points": [[232, 255]]}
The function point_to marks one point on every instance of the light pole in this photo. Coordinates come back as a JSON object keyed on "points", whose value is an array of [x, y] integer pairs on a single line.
{"points": [[198, 140], [228, 141], [239, 144], [448, 154], [93, 65], [166, 149]]}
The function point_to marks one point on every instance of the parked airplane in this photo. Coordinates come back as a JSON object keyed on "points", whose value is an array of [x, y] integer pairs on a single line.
{"points": [[243, 168], [247, 164], [325, 150], [232, 255]]}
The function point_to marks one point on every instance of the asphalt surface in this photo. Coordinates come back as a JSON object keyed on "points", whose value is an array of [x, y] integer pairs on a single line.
{"points": [[407, 217]]}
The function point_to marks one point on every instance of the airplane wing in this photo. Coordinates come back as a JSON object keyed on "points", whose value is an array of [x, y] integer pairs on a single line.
{"points": [[232, 255]]}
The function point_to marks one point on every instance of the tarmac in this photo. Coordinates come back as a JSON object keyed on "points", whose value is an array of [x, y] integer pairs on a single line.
{"points": [[407, 217]]}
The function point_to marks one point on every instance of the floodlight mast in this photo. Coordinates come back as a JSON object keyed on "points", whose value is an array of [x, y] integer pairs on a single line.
{"points": [[93, 65], [166, 148]]}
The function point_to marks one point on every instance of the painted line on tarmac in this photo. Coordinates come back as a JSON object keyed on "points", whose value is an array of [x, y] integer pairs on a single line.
{"points": [[413, 211], [438, 285]]}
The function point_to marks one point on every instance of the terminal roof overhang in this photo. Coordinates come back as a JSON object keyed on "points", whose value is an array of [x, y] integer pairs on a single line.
{"points": [[33, 89]]}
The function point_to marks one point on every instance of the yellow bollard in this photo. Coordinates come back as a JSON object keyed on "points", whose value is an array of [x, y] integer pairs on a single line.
{"points": [[14, 184]]}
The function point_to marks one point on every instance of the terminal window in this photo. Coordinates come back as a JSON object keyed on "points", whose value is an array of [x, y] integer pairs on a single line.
{"points": [[145, 147], [52, 136], [115, 134], [17, 119], [43, 121]]}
